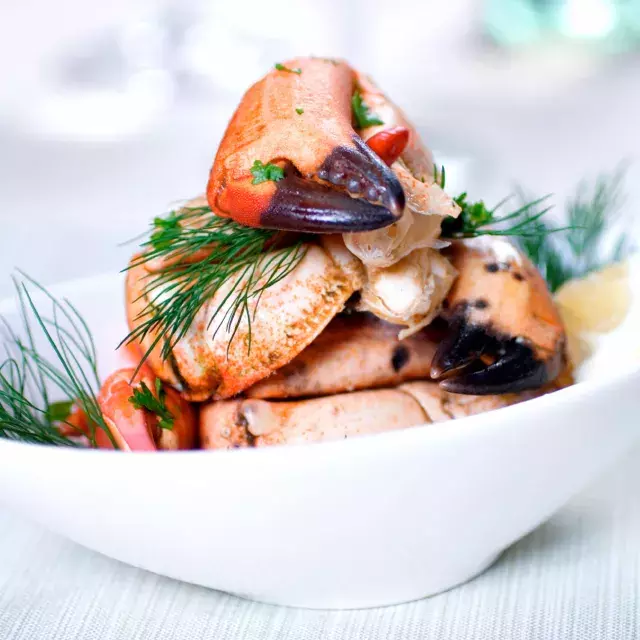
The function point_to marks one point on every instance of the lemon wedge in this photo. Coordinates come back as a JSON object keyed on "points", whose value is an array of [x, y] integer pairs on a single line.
{"points": [[594, 305]]}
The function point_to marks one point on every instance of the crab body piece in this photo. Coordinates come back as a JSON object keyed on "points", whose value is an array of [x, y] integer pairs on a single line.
{"points": [[355, 351], [210, 362], [373, 181]]}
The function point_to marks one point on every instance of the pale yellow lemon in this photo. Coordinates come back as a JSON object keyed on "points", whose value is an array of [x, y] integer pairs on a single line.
{"points": [[595, 304]]}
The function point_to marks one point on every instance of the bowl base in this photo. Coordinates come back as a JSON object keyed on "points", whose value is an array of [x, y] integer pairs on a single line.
{"points": [[332, 603]]}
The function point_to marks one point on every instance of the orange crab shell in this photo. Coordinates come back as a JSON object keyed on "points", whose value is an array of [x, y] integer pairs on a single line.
{"points": [[134, 429], [303, 123], [277, 131]]}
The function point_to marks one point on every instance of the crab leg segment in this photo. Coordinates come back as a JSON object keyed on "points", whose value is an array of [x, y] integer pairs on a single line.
{"points": [[232, 424]]}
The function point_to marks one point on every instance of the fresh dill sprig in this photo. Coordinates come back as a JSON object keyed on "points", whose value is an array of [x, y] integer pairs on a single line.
{"points": [[21, 418], [476, 219], [143, 398], [27, 376], [542, 250], [590, 213], [199, 253], [558, 256]]}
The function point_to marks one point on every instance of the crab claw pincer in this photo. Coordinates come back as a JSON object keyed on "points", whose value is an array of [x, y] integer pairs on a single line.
{"points": [[136, 429], [505, 334], [298, 121]]}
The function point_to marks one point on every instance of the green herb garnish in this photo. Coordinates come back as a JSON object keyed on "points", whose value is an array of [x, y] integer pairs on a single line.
{"points": [[59, 411], [161, 226], [558, 256], [476, 219], [176, 292], [439, 177], [299, 110], [590, 213], [143, 398], [361, 113], [28, 378], [281, 67], [22, 418], [266, 172]]}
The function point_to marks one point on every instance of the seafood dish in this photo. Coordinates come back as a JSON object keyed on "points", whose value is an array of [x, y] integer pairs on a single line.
{"points": [[325, 285]]}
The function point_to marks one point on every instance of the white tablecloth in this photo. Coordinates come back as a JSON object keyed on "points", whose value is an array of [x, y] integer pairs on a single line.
{"points": [[575, 578]]}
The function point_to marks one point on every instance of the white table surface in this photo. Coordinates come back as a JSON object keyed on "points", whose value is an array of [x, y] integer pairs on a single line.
{"points": [[65, 207]]}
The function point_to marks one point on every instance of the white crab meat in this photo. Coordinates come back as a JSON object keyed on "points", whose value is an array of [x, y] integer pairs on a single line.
{"points": [[407, 280], [410, 292]]}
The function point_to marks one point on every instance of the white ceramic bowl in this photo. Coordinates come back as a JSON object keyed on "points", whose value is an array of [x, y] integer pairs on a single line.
{"points": [[360, 523]]}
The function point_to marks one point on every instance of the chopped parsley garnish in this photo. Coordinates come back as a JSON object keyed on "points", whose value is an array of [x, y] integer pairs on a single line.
{"points": [[474, 214], [476, 219], [170, 223], [143, 398], [265, 172], [299, 110], [362, 114], [281, 67], [59, 411]]}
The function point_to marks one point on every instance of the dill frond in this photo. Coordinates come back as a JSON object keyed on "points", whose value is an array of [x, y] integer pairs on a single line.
{"points": [[20, 418], [27, 376], [198, 253], [590, 214]]}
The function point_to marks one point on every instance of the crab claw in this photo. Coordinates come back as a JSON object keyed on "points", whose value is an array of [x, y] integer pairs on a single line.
{"points": [[327, 179], [505, 334], [136, 429]]}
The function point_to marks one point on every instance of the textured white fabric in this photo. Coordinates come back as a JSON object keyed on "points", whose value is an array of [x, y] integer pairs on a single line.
{"points": [[576, 577]]}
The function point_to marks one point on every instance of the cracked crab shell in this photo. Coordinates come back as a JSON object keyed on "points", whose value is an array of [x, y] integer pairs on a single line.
{"points": [[287, 317]]}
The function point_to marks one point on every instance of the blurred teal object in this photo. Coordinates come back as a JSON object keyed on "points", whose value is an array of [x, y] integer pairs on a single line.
{"points": [[613, 25]]}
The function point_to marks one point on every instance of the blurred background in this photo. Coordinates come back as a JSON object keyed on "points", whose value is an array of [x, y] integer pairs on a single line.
{"points": [[110, 112]]}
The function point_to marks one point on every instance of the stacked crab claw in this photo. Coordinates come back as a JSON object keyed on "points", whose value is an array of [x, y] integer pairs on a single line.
{"points": [[380, 325]]}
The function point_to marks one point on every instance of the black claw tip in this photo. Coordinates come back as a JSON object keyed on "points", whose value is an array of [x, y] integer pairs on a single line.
{"points": [[464, 344], [369, 195], [310, 207], [359, 170], [515, 368]]}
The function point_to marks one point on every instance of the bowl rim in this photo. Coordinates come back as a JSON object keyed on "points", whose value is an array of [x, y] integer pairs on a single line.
{"points": [[461, 427]]}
